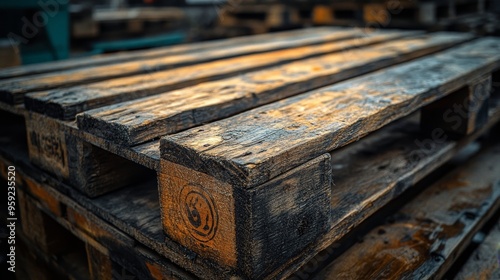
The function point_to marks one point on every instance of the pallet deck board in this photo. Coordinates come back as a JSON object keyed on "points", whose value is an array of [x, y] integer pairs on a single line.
{"points": [[238, 149], [138, 121], [483, 262], [66, 103], [430, 231], [12, 90], [76, 63]]}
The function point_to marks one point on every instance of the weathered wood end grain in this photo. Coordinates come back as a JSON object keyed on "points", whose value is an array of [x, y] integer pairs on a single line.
{"points": [[141, 120], [252, 231]]}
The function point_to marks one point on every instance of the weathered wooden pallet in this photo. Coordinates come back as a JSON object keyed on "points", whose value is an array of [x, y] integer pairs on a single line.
{"points": [[71, 144], [242, 176], [425, 237], [259, 18], [126, 21], [135, 210]]}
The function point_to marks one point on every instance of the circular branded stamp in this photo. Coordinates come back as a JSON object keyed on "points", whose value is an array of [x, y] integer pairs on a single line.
{"points": [[198, 212]]}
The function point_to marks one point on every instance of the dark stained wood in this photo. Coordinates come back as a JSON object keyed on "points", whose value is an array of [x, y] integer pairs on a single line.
{"points": [[99, 264], [12, 90], [459, 113], [135, 210], [66, 103], [40, 229], [138, 121], [88, 168], [483, 262], [429, 232], [312, 34], [253, 147], [244, 230]]}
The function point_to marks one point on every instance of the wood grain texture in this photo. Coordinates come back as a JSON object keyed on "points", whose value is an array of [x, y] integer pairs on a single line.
{"points": [[253, 147], [245, 230], [483, 262], [430, 232], [159, 52], [145, 119], [66, 103], [386, 163], [12, 90], [135, 210]]}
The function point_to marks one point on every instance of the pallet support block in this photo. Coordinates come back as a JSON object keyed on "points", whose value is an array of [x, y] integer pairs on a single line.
{"points": [[460, 113], [250, 230], [84, 166], [100, 266], [40, 228]]}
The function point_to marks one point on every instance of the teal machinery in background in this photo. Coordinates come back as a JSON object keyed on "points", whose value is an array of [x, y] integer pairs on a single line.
{"points": [[40, 28]]}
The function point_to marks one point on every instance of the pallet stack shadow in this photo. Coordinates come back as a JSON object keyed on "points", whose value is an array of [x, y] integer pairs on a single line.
{"points": [[248, 157]]}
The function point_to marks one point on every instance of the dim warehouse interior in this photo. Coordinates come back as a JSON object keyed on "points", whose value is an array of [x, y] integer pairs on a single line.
{"points": [[250, 139]]}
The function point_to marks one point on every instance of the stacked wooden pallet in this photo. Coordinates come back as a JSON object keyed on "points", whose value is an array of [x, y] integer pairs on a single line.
{"points": [[240, 158], [122, 23]]}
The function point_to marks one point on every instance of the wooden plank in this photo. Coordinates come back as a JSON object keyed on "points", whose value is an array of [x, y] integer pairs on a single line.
{"points": [[78, 63], [66, 103], [430, 232], [249, 149], [138, 121], [12, 90], [483, 262]]}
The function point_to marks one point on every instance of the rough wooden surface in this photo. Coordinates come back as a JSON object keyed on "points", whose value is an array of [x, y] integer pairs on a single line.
{"points": [[66, 103], [253, 147], [145, 119], [135, 210], [483, 263], [158, 52], [245, 230], [430, 232], [12, 90]]}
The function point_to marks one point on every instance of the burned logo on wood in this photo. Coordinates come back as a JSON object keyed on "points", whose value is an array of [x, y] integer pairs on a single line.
{"points": [[199, 212]]}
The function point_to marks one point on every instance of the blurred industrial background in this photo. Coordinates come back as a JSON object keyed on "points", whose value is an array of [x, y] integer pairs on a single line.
{"points": [[34, 31]]}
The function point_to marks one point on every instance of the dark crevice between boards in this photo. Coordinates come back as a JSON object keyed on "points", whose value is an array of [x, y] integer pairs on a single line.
{"points": [[13, 133]]}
